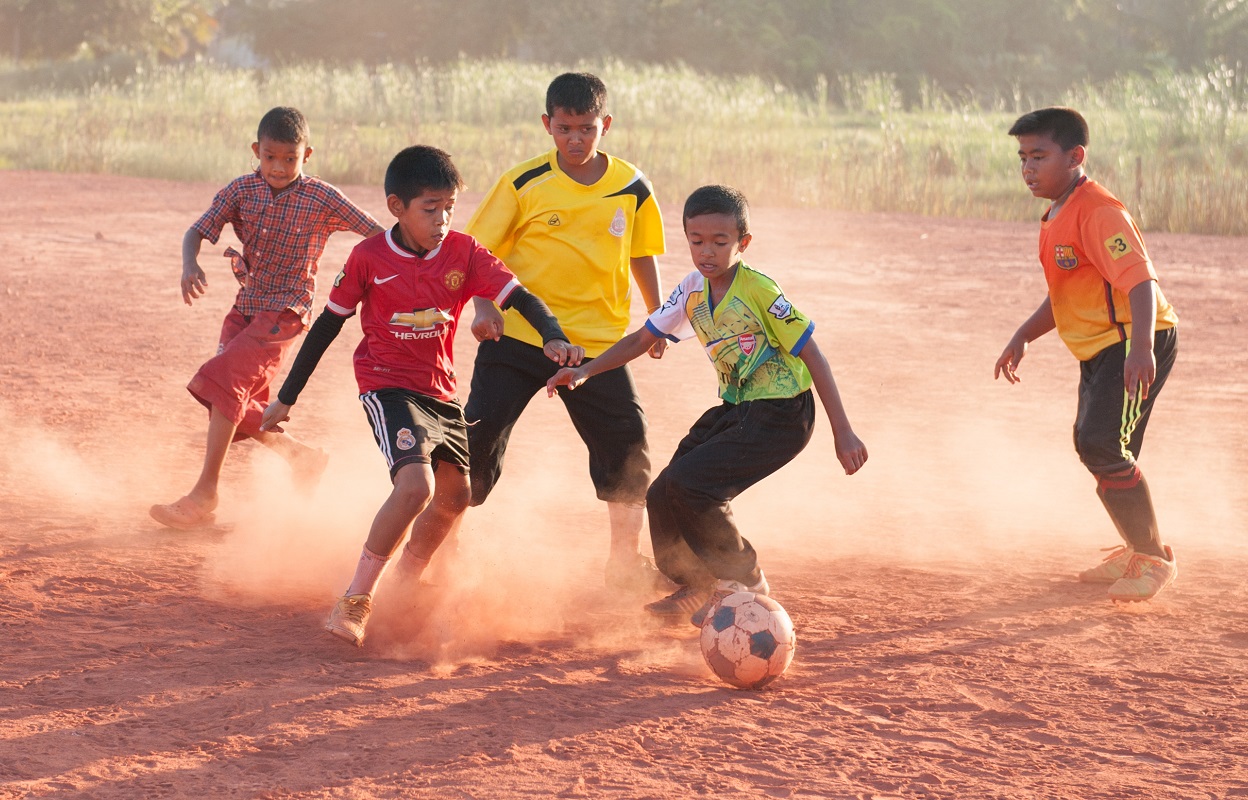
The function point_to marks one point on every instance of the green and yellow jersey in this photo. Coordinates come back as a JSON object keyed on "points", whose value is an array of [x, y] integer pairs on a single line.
{"points": [[753, 336]]}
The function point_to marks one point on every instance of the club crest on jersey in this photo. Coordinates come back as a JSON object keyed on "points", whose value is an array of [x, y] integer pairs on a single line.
{"points": [[1064, 254], [554, 220], [404, 439], [338, 278], [453, 279], [747, 343], [781, 309], [618, 223]]}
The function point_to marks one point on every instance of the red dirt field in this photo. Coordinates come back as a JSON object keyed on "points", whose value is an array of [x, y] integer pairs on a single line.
{"points": [[945, 649]]}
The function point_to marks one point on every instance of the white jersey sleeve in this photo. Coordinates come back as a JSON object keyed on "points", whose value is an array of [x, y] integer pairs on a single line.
{"points": [[671, 320]]}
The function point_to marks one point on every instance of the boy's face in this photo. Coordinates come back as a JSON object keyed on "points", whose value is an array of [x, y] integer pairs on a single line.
{"points": [[281, 163], [426, 219], [715, 244], [1047, 169], [576, 135]]}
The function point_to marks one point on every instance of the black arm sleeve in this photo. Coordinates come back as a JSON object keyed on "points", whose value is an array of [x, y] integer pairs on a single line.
{"points": [[320, 336], [535, 313]]}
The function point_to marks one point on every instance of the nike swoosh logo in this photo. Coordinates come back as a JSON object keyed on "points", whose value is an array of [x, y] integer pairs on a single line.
{"points": [[380, 281]]}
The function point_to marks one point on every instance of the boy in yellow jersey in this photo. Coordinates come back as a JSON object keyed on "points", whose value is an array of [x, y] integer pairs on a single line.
{"points": [[765, 355], [1105, 304], [572, 224]]}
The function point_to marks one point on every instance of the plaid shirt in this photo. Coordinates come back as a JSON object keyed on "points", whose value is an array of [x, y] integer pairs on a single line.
{"points": [[283, 238]]}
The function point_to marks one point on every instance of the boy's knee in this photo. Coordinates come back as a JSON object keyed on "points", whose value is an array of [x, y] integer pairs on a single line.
{"points": [[455, 498], [412, 484]]}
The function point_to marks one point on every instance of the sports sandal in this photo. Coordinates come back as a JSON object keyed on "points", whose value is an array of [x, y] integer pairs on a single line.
{"points": [[184, 514]]}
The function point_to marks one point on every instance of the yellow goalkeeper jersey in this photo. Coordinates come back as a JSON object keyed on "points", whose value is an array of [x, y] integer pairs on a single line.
{"points": [[570, 244]]}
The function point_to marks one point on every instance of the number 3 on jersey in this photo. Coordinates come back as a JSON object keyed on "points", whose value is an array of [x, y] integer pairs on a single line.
{"points": [[1118, 246]]}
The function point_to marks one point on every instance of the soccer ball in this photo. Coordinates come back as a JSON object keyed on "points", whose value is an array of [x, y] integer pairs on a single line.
{"points": [[748, 640]]}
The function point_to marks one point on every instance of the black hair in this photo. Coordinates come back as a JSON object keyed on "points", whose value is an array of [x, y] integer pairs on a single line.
{"points": [[421, 168], [1065, 126], [284, 124], [577, 93], [719, 200]]}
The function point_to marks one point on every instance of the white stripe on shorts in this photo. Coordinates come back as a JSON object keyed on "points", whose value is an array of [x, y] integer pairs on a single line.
{"points": [[372, 406]]}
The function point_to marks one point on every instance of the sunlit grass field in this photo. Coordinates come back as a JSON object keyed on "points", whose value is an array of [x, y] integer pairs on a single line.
{"points": [[1173, 147]]}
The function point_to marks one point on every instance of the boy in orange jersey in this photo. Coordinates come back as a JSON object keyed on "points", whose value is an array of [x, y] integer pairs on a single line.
{"points": [[573, 224], [1105, 304], [283, 218]]}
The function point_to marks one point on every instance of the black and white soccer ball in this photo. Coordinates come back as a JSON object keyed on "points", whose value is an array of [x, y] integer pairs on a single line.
{"points": [[748, 640]]}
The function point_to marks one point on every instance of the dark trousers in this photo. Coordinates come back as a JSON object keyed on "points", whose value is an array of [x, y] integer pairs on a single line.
{"points": [[729, 449], [1109, 428], [605, 411]]}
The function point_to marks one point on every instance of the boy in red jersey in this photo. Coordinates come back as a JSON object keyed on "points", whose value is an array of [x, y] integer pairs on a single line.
{"points": [[574, 224], [283, 218], [411, 286], [1105, 304]]}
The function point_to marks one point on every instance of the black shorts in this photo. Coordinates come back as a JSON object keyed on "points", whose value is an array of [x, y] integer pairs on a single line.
{"points": [[1109, 429], [605, 411], [410, 427]]}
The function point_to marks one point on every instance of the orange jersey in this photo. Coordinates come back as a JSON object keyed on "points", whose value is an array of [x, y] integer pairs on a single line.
{"points": [[1093, 255]]}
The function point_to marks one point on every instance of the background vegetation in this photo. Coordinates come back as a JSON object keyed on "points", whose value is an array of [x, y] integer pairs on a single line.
{"points": [[876, 105]]}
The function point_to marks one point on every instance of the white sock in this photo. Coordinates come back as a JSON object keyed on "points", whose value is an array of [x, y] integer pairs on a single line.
{"points": [[412, 566], [368, 573]]}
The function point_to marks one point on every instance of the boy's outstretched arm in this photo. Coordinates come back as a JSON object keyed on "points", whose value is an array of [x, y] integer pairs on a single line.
{"points": [[1038, 324], [850, 450], [645, 271], [194, 281], [555, 342], [1140, 368], [617, 355]]}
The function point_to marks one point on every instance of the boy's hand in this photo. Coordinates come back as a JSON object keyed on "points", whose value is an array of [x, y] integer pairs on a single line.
{"points": [[1007, 364], [851, 452], [658, 348], [194, 282], [488, 323], [275, 413], [1138, 372], [563, 353], [568, 377]]}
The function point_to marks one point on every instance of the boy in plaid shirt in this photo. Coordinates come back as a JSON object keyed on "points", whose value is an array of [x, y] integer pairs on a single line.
{"points": [[283, 218]]}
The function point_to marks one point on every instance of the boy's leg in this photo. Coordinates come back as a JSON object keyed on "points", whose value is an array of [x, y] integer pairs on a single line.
{"points": [[744, 445], [505, 377], [671, 553], [413, 486], [607, 414], [728, 450], [1109, 432], [407, 429], [441, 518], [195, 508]]}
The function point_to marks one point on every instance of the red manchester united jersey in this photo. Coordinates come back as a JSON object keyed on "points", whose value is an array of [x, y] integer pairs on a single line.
{"points": [[410, 307]]}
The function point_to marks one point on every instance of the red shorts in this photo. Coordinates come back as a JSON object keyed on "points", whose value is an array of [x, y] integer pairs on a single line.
{"points": [[236, 380]]}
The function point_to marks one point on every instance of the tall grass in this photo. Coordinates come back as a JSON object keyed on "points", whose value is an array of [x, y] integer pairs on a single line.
{"points": [[1173, 147]]}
